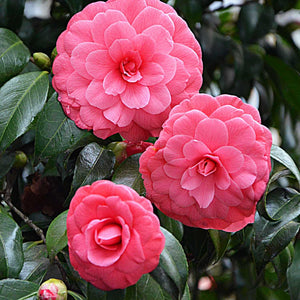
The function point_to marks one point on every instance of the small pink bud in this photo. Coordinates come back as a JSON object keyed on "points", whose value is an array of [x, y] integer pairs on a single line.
{"points": [[52, 289]]}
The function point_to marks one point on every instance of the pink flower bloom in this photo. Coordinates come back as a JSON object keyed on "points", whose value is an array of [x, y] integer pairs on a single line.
{"points": [[123, 64], [114, 237], [211, 163]]}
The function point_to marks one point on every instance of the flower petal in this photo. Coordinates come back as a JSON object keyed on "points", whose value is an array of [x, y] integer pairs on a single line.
{"points": [[135, 96]]}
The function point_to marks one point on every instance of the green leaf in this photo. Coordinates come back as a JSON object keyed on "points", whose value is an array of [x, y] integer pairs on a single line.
{"points": [[293, 274], [146, 288], [174, 264], [14, 55], [76, 296], [11, 14], [21, 99], [173, 226], [128, 174], [281, 156], [13, 289], [96, 294], [74, 5], [55, 132], [221, 240], [36, 262], [93, 163], [11, 252], [6, 162], [56, 237], [255, 21]]}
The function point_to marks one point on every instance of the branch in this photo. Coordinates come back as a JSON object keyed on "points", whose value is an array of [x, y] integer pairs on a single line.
{"points": [[6, 199]]}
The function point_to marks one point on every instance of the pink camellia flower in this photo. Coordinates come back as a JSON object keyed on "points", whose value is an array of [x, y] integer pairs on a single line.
{"points": [[211, 163], [123, 64], [113, 235]]}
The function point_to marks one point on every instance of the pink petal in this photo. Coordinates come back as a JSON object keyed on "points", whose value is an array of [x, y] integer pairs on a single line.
{"points": [[62, 69], [191, 182], [99, 64], [119, 49], [78, 33], [168, 64], [151, 16], [204, 194], [213, 133], [231, 158], [135, 96], [103, 21], [225, 113], [194, 150], [113, 83], [205, 103], [160, 99], [180, 79], [222, 178], [79, 56], [60, 47], [180, 196], [231, 196], [119, 115], [94, 117], [174, 147], [145, 46], [175, 168], [118, 30], [162, 38], [76, 86], [96, 96], [152, 73]]}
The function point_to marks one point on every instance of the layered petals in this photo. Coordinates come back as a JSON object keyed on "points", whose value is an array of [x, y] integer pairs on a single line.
{"points": [[210, 164], [137, 58]]}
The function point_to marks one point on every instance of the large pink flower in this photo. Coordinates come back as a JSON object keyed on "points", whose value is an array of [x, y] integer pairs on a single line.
{"points": [[114, 237], [123, 64], [211, 163]]}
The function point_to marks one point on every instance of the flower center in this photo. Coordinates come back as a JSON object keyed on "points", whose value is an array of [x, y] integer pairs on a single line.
{"points": [[129, 66], [206, 166], [108, 235]]}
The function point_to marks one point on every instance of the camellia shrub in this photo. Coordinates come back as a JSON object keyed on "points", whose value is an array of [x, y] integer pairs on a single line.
{"points": [[149, 150]]}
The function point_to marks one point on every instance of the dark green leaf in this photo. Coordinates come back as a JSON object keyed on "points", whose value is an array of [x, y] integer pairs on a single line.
{"points": [[281, 156], [6, 162], [93, 163], [21, 99], [146, 288], [173, 262], [191, 9], [293, 274], [128, 174], [14, 55], [76, 296], [56, 238], [55, 132], [35, 262], [74, 5], [11, 252], [255, 21], [173, 226], [95, 294], [11, 13], [221, 240], [13, 289]]}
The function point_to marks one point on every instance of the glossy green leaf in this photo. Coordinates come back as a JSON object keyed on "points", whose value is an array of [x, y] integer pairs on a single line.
{"points": [[281, 156], [21, 99], [255, 21], [221, 240], [11, 252], [173, 226], [293, 274], [128, 174], [146, 288], [173, 262], [96, 294], [14, 55], [286, 81], [56, 237], [6, 162], [36, 262], [76, 296], [93, 163], [13, 289], [55, 132]]}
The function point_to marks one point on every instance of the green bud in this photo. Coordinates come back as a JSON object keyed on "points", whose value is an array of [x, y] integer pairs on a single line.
{"points": [[119, 149], [42, 60], [53, 54], [20, 160], [53, 289]]}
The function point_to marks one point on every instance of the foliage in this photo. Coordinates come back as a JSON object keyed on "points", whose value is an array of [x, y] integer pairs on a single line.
{"points": [[246, 51]]}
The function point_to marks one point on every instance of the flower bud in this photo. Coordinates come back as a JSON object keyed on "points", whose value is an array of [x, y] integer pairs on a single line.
{"points": [[53, 289], [42, 60], [119, 150], [53, 54], [20, 160]]}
